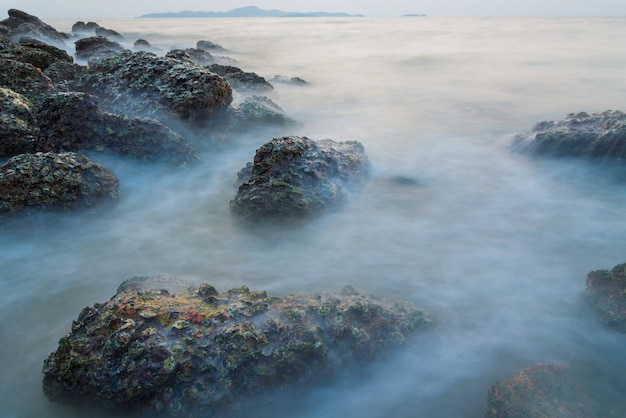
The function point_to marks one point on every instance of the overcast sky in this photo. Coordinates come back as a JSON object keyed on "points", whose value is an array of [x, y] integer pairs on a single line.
{"points": [[134, 8]]}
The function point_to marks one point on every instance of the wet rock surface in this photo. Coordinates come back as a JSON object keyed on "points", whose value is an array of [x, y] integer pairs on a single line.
{"points": [[540, 391], [17, 124], [54, 181], [606, 294], [140, 138], [33, 51], [144, 84], [98, 48], [241, 79], [25, 79], [200, 352], [256, 111], [296, 176], [596, 135]]}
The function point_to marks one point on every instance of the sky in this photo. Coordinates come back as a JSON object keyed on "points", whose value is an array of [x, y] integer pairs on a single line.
{"points": [[133, 8]]}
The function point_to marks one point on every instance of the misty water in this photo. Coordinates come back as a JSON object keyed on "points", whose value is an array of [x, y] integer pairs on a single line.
{"points": [[493, 244]]}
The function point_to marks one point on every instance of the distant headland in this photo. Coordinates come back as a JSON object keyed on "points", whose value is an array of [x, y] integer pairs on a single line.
{"points": [[250, 11]]}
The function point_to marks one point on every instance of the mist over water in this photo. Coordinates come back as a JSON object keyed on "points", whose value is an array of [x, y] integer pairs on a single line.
{"points": [[493, 244]]}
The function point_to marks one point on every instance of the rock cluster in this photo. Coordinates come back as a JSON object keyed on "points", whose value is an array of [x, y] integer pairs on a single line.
{"points": [[295, 176], [199, 352]]}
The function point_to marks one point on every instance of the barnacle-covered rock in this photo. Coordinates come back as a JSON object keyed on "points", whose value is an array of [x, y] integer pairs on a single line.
{"points": [[25, 79], [240, 79], [540, 391], [54, 181], [74, 122], [294, 176], [199, 352], [144, 84], [606, 294], [17, 124], [599, 135], [33, 51]]}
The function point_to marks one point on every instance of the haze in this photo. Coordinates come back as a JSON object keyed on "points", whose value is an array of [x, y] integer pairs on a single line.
{"points": [[124, 8]]}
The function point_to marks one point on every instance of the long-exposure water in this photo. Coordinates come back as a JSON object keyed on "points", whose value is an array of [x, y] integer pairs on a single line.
{"points": [[493, 244]]}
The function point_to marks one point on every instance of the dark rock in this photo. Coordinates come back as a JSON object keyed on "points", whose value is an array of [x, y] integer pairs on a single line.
{"points": [[200, 56], [296, 81], [54, 181], [74, 122], [25, 79], [203, 353], [22, 24], [17, 124], [295, 176], [162, 87], [63, 74], [541, 391], [599, 135], [606, 294], [210, 46], [143, 45], [98, 48], [108, 33], [82, 28], [240, 79], [255, 111]]}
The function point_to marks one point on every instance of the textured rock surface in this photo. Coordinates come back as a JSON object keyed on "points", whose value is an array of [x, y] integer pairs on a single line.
{"points": [[74, 122], [32, 51], [54, 181], [256, 111], [240, 79], [599, 135], [25, 79], [146, 85], [17, 124], [541, 391], [200, 352], [606, 294], [98, 48], [295, 176]]}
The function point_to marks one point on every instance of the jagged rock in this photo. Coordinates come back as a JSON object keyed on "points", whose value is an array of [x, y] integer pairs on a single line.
{"points": [[82, 28], [17, 124], [296, 176], [74, 122], [541, 391], [166, 88], [240, 79], [25, 79], [256, 111], [32, 51], [22, 24], [210, 46], [599, 135], [54, 181], [297, 81], [606, 294], [199, 352], [98, 48]]}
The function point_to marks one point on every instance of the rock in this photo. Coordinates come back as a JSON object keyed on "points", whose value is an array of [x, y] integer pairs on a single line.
{"points": [[210, 46], [108, 33], [240, 79], [17, 124], [143, 45], [606, 294], [197, 56], [32, 51], [63, 74], [22, 24], [54, 181], [82, 28], [98, 48], [144, 84], [203, 353], [256, 111], [599, 135], [541, 391], [296, 81], [296, 176], [25, 79], [74, 122]]}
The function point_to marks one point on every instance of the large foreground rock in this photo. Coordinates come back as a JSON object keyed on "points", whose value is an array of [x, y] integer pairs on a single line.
{"points": [[25, 79], [541, 391], [199, 352], [599, 135], [294, 176], [606, 294], [144, 84], [54, 181], [17, 124]]}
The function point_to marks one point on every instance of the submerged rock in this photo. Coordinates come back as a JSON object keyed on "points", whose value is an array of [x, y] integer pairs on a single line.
{"points": [[17, 124], [240, 79], [210, 46], [144, 84], [606, 294], [541, 391], [201, 353], [256, 111], [74, 122], [295, 176], [599, 135], [296, 81], [33, 51], [54, 181]]}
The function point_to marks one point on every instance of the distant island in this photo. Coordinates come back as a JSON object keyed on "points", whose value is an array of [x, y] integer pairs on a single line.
{"points": [[413, 15], [250, 11]]}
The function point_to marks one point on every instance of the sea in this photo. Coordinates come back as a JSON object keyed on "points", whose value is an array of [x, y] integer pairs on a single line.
{"points": [[494, 244]]}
